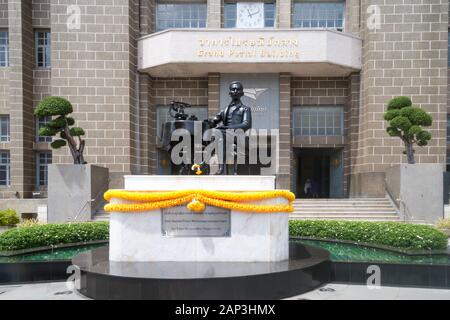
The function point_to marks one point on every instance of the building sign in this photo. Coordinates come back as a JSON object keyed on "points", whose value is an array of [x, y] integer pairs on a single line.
{"points": [[261, 94], [181, 222], [249, 47]]}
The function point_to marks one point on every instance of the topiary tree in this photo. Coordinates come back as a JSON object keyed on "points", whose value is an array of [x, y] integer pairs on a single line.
{"points": [[406, 122], [60, 107]]}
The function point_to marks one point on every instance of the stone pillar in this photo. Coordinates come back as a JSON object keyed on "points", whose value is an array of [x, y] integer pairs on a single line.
{"points": [[213, 94], [21, 60], [283, 180], [284, 9], [95, 68], [352, 16], [352, 119], [214, 14]]}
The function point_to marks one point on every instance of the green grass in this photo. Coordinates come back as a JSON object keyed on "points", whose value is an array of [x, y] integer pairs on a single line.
{"points": [[392, 234], [52, 234]]}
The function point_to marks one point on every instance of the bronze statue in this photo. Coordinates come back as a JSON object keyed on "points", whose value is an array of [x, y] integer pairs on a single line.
{"points": [[235, 116]]}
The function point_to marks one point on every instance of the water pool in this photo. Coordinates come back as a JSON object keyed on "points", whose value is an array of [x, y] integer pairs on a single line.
{"points": [[338, 252], [51, 255], [355, 253]]}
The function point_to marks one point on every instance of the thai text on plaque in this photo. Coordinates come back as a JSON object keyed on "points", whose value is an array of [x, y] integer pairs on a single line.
{"points": [[181, 222]]}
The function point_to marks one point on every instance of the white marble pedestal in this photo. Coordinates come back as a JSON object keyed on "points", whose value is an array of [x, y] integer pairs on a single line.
{"points": [[255, 237]]}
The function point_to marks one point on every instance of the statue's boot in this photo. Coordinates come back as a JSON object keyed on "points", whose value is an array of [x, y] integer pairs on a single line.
{"points": [[221, 170]]}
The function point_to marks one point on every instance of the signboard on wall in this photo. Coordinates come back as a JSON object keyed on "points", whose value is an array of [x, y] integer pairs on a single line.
{"points": [[261, 94]]}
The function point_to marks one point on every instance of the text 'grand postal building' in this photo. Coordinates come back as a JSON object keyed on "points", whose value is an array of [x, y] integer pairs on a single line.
{"points": [[321, 72]]}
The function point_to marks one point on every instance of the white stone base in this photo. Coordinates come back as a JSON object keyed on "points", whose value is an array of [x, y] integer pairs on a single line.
{"points": [[137, 236]]}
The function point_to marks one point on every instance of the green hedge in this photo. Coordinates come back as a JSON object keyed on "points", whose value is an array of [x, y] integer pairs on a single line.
{"points": [[8, 217], [52, 234], [392, 234]]}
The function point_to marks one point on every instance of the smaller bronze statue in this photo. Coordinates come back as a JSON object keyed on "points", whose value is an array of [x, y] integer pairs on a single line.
{"points": [[235, 116]]}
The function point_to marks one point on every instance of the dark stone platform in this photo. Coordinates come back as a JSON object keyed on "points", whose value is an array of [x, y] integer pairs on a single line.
{"points": [[306, 269]]}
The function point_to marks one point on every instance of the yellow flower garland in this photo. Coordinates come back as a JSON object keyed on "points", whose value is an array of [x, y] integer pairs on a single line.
{"points": [[197, 199]]}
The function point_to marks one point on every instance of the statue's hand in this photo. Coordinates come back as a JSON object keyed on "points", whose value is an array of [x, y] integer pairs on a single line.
{"points": [[222, 127]]}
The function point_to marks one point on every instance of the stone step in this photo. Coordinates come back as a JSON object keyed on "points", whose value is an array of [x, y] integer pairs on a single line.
{"points": [[345, 217], [332, 208], [341, 204], [341, 200]]}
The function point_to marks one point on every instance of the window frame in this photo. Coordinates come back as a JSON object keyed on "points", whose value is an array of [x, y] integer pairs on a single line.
{"points": [[42, 183], [200, 23], [7, 169], [39, 122], [47, 48], [5, 47], [344, 6], [8, 127], [298, 129]]}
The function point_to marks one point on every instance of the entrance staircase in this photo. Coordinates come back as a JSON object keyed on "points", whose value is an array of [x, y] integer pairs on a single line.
{"points": [[364, 209], [100, 214]]}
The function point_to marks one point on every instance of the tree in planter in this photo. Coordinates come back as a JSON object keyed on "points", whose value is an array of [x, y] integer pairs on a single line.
{"points": [[406, 122], [60, 107]]}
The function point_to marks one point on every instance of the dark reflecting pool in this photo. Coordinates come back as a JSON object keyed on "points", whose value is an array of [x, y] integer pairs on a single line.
{"points": [[355, 253], [338, 252], [51, 255]]}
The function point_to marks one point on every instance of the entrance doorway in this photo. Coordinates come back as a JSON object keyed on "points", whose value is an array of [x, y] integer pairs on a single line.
{"points": [[319, 173]]}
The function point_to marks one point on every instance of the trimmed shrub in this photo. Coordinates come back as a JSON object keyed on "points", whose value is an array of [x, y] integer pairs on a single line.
{"points": [[53, 234], [58, 106], [392, 234], [406, 122], [8, 217]]}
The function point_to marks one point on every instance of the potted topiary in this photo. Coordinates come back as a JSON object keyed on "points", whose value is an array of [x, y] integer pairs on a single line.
{"points": [[74, 190], [418, 188], [8, 219]]}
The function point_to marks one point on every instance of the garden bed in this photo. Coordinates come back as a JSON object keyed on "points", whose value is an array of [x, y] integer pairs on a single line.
{"points": [[393, 235], [45, 236]]}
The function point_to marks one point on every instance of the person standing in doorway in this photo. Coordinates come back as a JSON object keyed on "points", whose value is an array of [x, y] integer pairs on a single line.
{"points": [[308, 188]]}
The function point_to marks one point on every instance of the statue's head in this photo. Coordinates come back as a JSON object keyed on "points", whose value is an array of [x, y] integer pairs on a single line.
{"points": [[236, 90]]}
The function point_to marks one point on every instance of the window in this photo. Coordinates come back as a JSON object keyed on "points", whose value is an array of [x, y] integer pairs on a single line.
{"points": [[231, 14], [4, 49], [180, 15], [319, 15], [4, 128], [40, 123], [5, 169], [43, 49], [162, 115], [43, 160], [318, 121]]}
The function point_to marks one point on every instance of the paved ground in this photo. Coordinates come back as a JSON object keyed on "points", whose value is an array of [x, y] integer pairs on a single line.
{"points": [[39, 291], [332, 291]]}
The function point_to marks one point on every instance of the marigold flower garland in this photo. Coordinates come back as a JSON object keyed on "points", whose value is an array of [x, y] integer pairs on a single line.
{"points": [[198, 199]]}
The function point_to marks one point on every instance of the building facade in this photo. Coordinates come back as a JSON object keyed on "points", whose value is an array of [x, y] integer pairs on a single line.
{"points": [[320, 72]]}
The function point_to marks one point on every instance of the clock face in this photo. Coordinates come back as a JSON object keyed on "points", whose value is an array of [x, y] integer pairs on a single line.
{"points": [[250, 15]]}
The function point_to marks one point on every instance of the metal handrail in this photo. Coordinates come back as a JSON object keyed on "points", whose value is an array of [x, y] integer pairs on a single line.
{"points": [[100, 192]]}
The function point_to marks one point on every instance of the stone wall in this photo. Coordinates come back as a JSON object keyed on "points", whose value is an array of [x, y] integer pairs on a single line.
{"points": [[407, 55], [94, 67]]}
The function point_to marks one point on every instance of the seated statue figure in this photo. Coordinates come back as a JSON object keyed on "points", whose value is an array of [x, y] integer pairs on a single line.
{"points": [[235, 116]]}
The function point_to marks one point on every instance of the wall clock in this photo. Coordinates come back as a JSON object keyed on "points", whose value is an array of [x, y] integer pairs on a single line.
{"points": [[250, 15]]}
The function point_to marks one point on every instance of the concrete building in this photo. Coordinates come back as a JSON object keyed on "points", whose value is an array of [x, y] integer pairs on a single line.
{"points": [[319, 71]]}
